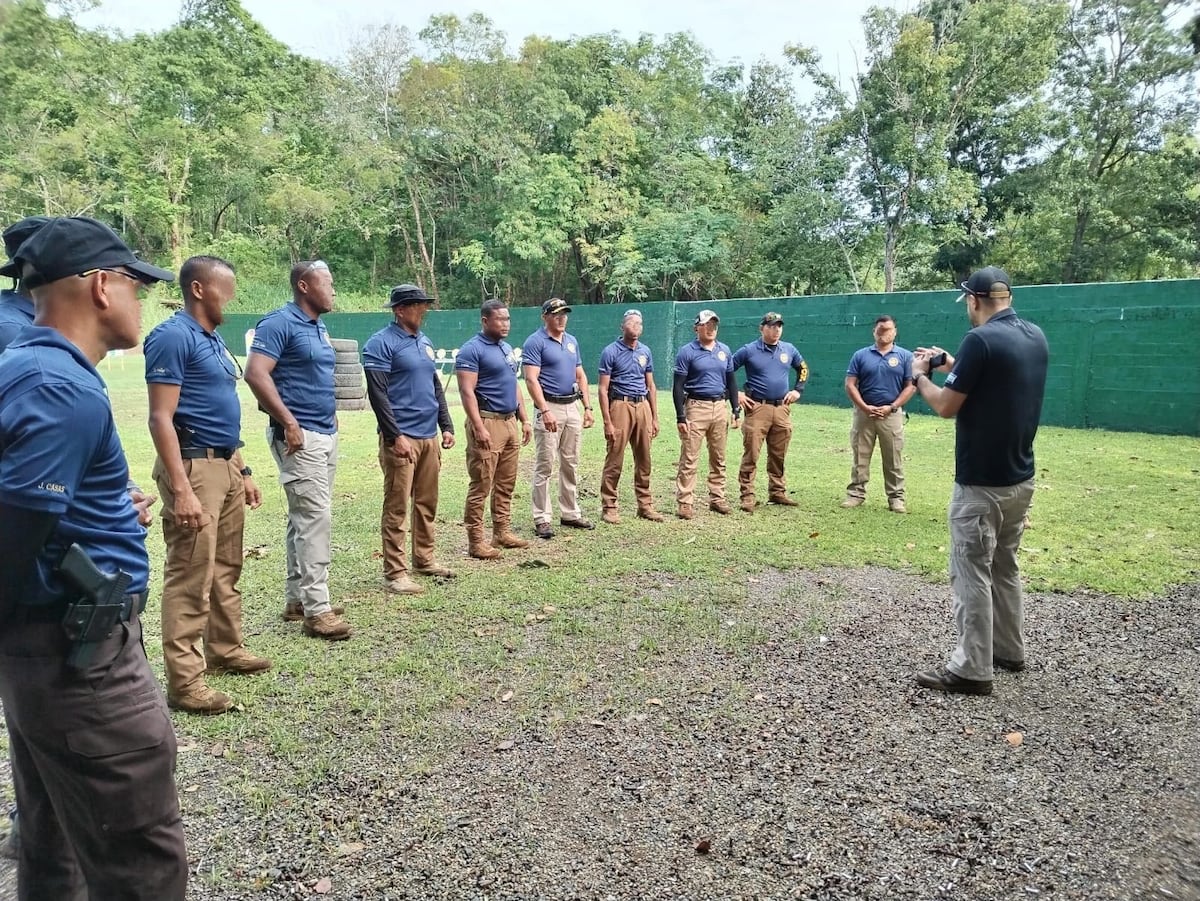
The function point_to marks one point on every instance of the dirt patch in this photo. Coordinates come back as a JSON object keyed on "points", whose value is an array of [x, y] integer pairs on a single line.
{"points": [[786, 753]]}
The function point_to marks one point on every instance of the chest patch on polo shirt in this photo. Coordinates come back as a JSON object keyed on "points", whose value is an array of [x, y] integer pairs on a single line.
{"points": [[429, 351], [642, 360], [892, 361], [783, 358], [570, 347], [721, 355]]}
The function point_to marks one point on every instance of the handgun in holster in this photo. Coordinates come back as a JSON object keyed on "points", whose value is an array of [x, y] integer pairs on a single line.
{"points": [[90, 620]]}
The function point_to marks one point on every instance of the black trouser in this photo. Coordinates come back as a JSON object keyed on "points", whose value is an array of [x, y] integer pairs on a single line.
{"points": [[93, 758]]}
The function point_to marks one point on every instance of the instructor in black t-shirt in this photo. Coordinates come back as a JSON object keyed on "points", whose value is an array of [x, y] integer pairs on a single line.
{"points": [[994, 389]]}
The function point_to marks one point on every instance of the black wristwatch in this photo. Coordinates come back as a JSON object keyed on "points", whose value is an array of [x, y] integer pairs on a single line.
{"points": [[247, 472]]}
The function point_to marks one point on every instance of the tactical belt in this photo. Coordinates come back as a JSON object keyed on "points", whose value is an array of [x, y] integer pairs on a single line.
{"points": [[491, 414], [57, 609], [561, 398], [207, 453], [706, 397], [767, 400], [628, 398]]}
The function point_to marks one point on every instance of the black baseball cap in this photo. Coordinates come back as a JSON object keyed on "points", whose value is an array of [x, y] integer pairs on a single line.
{"points": [[16, 235], [72, 245], [555, 305], [406, 295], [772, 319], [990, 282]]}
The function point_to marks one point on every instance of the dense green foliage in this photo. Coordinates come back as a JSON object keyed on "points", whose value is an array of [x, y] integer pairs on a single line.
{"points": [[1058, 138]]}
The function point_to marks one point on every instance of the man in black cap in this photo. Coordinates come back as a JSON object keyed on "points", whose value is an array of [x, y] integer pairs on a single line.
{"points": [[557, 385], [994, 393], [16, 306], [88, 728], [410, 407]]}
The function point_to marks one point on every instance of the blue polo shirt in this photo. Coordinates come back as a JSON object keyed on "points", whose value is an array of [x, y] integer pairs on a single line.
{"points": [[1001, 367], [180, 352], [60, 454], [557, 359], [626, 367], [16, 312], [303, 372], [881, 377], [704, 370], [496, 364], [409, 362], [768, 368]]}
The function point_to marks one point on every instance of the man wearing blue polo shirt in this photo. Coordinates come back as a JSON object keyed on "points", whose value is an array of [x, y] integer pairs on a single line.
{"points": [[767, 400], [879, 384], [629, 406], [556, 383], [16, 306], [486, 369], [290, 372], [410, 407], [704, 380], [196, 425], [994, 393], [89, 735]]}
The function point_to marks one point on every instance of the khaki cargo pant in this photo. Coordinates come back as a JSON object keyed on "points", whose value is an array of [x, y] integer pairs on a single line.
{"points": [[707, 422], [562, 447], [307, 480], [631, 425], [772, 425], [408, 484], [201, 600], [493, 474], [864, 430]]}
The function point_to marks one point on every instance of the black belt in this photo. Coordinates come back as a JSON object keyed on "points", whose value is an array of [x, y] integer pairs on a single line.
{"points": [[706, 397], [561, 398], [207, 453], [56, 610], [628, 398], [766, 400]]}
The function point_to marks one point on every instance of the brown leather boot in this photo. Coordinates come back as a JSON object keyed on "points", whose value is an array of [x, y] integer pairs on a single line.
{"points": [[241, 663], [201, 700], [504, 537]]}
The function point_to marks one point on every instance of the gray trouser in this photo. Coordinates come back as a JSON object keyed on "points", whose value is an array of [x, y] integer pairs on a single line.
{"points": [[985, 532], [307, 480]]}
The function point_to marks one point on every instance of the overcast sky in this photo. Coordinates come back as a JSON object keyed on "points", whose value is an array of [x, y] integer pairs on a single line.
{"points": [[747, 31]]}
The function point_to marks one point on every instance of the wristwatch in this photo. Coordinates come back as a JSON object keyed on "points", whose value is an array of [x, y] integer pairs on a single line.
{"points": [[247, 472]]}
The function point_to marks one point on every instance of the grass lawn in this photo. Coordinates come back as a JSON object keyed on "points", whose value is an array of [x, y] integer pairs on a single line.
{"points": [[586, 629], [1114, 513]]}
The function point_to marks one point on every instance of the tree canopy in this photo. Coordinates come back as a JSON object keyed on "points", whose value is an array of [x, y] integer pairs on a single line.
{"points": [[1057, 139]]}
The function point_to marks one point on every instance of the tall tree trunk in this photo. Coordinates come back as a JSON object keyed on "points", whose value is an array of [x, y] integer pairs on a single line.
{"points": [[1083, 216], [421, 246]]}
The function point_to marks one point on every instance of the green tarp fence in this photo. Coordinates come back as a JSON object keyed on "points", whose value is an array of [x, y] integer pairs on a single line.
{"points": [[1123, 355]]}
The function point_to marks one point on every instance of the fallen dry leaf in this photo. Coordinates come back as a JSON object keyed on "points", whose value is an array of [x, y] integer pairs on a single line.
{"points": [[1015, 739], [192, 788], [654, 702], [507, 745], [506, 696], [347, 850], [218, 750], [909, 546], [703, 846], [324, 886], [258, 551], [814, 534], [549, 608]]}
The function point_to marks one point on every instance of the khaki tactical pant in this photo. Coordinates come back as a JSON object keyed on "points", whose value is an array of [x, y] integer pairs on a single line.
{"points": [[707, 422], [864, 430], [631, 425], [493, 474], [201, 600], [562, 447], [408, 484], [774, 426]]}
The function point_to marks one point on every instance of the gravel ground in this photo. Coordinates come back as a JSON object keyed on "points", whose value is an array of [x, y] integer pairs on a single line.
{"points": [[789, 757]]}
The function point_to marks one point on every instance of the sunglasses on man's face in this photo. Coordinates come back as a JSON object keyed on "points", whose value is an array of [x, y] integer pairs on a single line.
{"points": [[314, 266], [143, 284]]}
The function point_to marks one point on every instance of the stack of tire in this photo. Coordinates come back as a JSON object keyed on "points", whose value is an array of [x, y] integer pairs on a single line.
{"points": [[349, 386]]}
